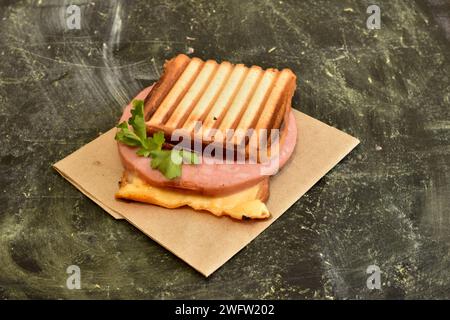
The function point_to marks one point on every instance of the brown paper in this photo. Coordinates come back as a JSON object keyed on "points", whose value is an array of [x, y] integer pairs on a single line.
{"points": [[202, 240]]}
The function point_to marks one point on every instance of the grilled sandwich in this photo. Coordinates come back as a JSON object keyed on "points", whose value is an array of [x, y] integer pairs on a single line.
{"points": [[213, 103]]}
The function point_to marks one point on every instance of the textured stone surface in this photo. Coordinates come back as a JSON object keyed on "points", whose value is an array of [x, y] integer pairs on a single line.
{"points": [[387, 203]]}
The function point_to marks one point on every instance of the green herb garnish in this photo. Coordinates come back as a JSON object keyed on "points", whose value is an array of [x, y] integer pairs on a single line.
{"points": [[168, 162]]}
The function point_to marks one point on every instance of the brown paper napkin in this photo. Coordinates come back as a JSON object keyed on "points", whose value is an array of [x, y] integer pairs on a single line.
{"points": [[202, 240]]}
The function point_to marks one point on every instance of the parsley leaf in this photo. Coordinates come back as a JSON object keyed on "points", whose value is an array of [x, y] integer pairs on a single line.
{"points": [[189, 157], [168, 162], [162, 160], [126, 136], [154, 143], [137, 120], [157, 140]]}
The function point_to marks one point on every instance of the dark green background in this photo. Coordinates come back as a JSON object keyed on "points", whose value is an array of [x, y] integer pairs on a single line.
{"points": [[387, 203]]}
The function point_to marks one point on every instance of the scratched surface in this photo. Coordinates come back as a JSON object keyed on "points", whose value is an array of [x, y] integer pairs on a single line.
{"points": [[387, 203]]}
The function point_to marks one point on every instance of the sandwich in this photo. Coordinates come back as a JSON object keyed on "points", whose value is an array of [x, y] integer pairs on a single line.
{"points": [[208, 135]]}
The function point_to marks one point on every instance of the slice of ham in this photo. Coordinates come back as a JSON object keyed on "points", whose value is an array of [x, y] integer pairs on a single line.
{"points": [[207, 178]]}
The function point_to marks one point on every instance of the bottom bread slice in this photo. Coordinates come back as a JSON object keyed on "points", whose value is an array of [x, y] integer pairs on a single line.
{"points": [[245, 204]]}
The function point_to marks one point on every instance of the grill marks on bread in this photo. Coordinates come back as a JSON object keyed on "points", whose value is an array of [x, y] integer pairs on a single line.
{"points": [[221, 96]]}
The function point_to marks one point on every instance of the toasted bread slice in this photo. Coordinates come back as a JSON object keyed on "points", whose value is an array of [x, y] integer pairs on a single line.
{"points": [[274, 108], [221, 105], [256, 104], [190, 99], [220, 96], [172, 71], [245, 204], [240, 101], [209, 97], [177, 92]]}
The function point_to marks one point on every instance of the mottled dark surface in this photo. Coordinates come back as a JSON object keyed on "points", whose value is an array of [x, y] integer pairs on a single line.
{"points": [[387, 203]]}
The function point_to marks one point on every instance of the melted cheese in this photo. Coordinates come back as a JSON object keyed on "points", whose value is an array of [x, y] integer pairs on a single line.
{"points": [[240, 205]]}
